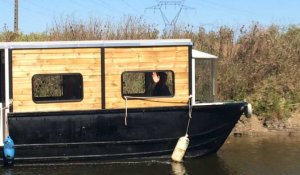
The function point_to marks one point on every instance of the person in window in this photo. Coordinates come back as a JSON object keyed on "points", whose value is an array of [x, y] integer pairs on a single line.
{"points": [[161, 88]]}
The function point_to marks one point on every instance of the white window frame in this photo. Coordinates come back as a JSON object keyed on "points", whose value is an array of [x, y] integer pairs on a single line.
{"points": [[202, 55]]}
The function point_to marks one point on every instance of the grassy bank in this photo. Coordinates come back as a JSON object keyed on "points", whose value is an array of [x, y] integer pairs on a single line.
{"points": [[257, 63]]}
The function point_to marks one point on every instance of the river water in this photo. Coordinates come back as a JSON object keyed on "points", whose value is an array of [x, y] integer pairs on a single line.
{"points": [[246, 155]]}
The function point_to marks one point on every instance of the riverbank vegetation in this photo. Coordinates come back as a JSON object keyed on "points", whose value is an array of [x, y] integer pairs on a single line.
{"points": [[260, 64]]}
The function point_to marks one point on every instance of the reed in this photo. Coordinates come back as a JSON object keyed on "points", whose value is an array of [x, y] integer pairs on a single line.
{"points": [[258, 64]]}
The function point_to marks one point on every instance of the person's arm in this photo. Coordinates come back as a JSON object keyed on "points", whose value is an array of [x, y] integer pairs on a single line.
{"points": [[155, 77]]}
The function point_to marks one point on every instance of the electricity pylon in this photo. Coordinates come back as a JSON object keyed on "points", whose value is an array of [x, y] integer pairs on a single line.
{"points": [[159, 6]]}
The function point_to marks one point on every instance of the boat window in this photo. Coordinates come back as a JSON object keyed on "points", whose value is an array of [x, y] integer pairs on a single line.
{"points": [[148, 83], [57, 87], [204, 80]]}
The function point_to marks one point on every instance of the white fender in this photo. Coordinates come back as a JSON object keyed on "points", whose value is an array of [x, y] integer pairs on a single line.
{"points": [[248, 110], [180, 148]]}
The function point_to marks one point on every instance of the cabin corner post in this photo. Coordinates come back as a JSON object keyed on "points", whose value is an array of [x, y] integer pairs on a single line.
{"points": [[192, 90], [193, 82], [214, 74], [102, 57], [2, 126], [7, 91]]}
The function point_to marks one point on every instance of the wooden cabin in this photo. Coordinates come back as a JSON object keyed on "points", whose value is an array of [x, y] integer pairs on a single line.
{"points": [[96, 71]]}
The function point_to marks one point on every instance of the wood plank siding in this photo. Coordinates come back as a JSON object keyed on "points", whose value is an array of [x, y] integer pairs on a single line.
{"points": [[87, 61], [27, 63], [118, 60]]}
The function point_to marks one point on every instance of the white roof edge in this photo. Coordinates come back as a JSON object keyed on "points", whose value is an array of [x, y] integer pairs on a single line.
{"points": [[96, 43], [199, 54]]}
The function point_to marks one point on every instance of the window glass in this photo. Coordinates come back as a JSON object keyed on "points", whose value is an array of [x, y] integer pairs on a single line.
{"points": [[57, 87], [134, 83], [148, 83], [204, 80]]}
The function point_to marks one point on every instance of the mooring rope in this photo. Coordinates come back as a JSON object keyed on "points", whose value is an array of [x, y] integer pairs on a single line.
{"points": [[6, 107], [125, 110], [151, 99], [147, 98], [190, 114]]}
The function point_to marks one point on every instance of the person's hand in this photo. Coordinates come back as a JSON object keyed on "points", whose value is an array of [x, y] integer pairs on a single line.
{"points": [[155, 77]]}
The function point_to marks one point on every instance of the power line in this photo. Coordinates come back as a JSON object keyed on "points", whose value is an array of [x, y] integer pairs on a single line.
{"points": [[18, 7], [40, 6], [128, 5], [112, 7], [227, 7], [136, 10]]}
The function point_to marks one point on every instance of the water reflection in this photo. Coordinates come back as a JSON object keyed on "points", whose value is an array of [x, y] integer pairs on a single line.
{"points": [[178, 168], [8, 171], [275, 154], [211, 164], [207, 165], [243, 155]]}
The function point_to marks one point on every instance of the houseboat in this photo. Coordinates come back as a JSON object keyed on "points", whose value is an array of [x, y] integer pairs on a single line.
{"points": [[106, 100]]}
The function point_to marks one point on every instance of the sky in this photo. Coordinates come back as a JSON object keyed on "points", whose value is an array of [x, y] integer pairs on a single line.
{"points": [[38, 15]]}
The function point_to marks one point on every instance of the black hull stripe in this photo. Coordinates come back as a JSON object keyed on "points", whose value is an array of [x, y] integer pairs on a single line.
{"points": [[122, 142], [163, 153]]}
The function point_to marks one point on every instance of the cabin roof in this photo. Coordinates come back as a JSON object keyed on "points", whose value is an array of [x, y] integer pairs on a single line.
{"points": [[202, 55], [96, 43]]}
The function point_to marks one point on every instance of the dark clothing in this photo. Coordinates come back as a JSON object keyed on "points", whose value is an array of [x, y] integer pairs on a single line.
{"points": [[157, 89], [161, 90]]}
